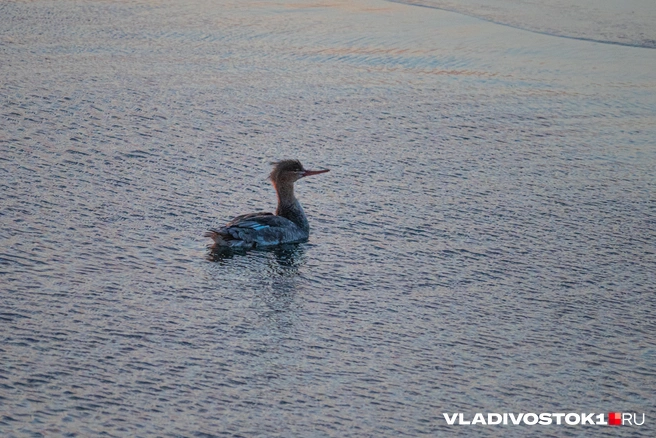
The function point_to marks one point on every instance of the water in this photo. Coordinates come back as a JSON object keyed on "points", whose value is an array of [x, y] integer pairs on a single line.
{"points": [[484, 241], [625, 22]]}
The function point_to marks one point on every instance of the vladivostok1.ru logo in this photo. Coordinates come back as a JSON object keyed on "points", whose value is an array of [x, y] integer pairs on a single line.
{"points": [[530, 419]]}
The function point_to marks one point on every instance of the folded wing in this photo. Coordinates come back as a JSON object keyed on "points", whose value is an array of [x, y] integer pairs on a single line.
{"points": [[256, 229]]}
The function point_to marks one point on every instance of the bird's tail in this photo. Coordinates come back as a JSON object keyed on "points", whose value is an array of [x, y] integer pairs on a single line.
{"points": [[212, 234], [217, 237]]}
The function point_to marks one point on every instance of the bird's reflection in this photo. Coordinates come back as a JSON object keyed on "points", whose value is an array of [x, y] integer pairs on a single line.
{"points": [[284, 260], [278, 302], [278, 279], [222, 255]]}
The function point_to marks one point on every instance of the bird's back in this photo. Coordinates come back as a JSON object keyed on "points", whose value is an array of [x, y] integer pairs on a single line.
{"points": [[257, 230]]}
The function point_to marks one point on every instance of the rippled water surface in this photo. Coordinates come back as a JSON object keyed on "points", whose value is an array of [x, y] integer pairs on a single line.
{"points": [[625, 22], [484, 241]]}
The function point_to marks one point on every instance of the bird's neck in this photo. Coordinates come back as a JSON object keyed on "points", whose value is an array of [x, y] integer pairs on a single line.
{"points": [[289, 207]]}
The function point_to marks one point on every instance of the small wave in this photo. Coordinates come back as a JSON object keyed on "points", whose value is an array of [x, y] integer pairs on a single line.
{"points": [[625, 23]]}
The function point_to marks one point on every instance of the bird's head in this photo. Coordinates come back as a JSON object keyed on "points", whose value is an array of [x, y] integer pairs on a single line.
{"points": [[290, 171]]}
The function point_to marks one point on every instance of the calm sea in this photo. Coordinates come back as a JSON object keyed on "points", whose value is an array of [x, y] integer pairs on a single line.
{"points": [[484, 242]]}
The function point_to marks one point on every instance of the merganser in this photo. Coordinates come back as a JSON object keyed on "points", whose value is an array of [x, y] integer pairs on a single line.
{"points": [[287, 225]]}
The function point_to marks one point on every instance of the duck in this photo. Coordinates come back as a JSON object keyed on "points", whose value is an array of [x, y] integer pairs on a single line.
{"points": [[287, 225]]}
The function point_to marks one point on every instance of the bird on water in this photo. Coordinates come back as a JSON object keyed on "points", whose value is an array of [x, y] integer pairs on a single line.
{"points": [[288, 225]]}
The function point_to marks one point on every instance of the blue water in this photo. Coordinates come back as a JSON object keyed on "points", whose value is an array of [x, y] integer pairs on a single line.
{"points": [[484, 241]]}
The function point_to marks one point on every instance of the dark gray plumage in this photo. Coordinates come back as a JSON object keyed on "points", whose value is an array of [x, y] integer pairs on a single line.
{"points": [[289, 224]]}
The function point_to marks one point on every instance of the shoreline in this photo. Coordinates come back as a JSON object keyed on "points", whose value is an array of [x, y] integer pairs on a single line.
{"points": [[477, 11]]}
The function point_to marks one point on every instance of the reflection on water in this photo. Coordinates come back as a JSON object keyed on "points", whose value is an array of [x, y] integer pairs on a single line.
{"points": [[221, 255], [277, 300], [485, 244], [287, 259], [284, 260], [277, 284]]}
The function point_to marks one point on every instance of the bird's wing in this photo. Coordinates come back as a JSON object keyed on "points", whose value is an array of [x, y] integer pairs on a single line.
{"points": [[258, 221], [250, 216], [251, 230]]}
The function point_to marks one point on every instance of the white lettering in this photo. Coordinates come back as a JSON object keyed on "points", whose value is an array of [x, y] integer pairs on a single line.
{"points": [[516, 420], [497, 419], [532, 421], [635, 419], [575, 421], [545, 419], [585, 418], [572, 419], [558, 417]]}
